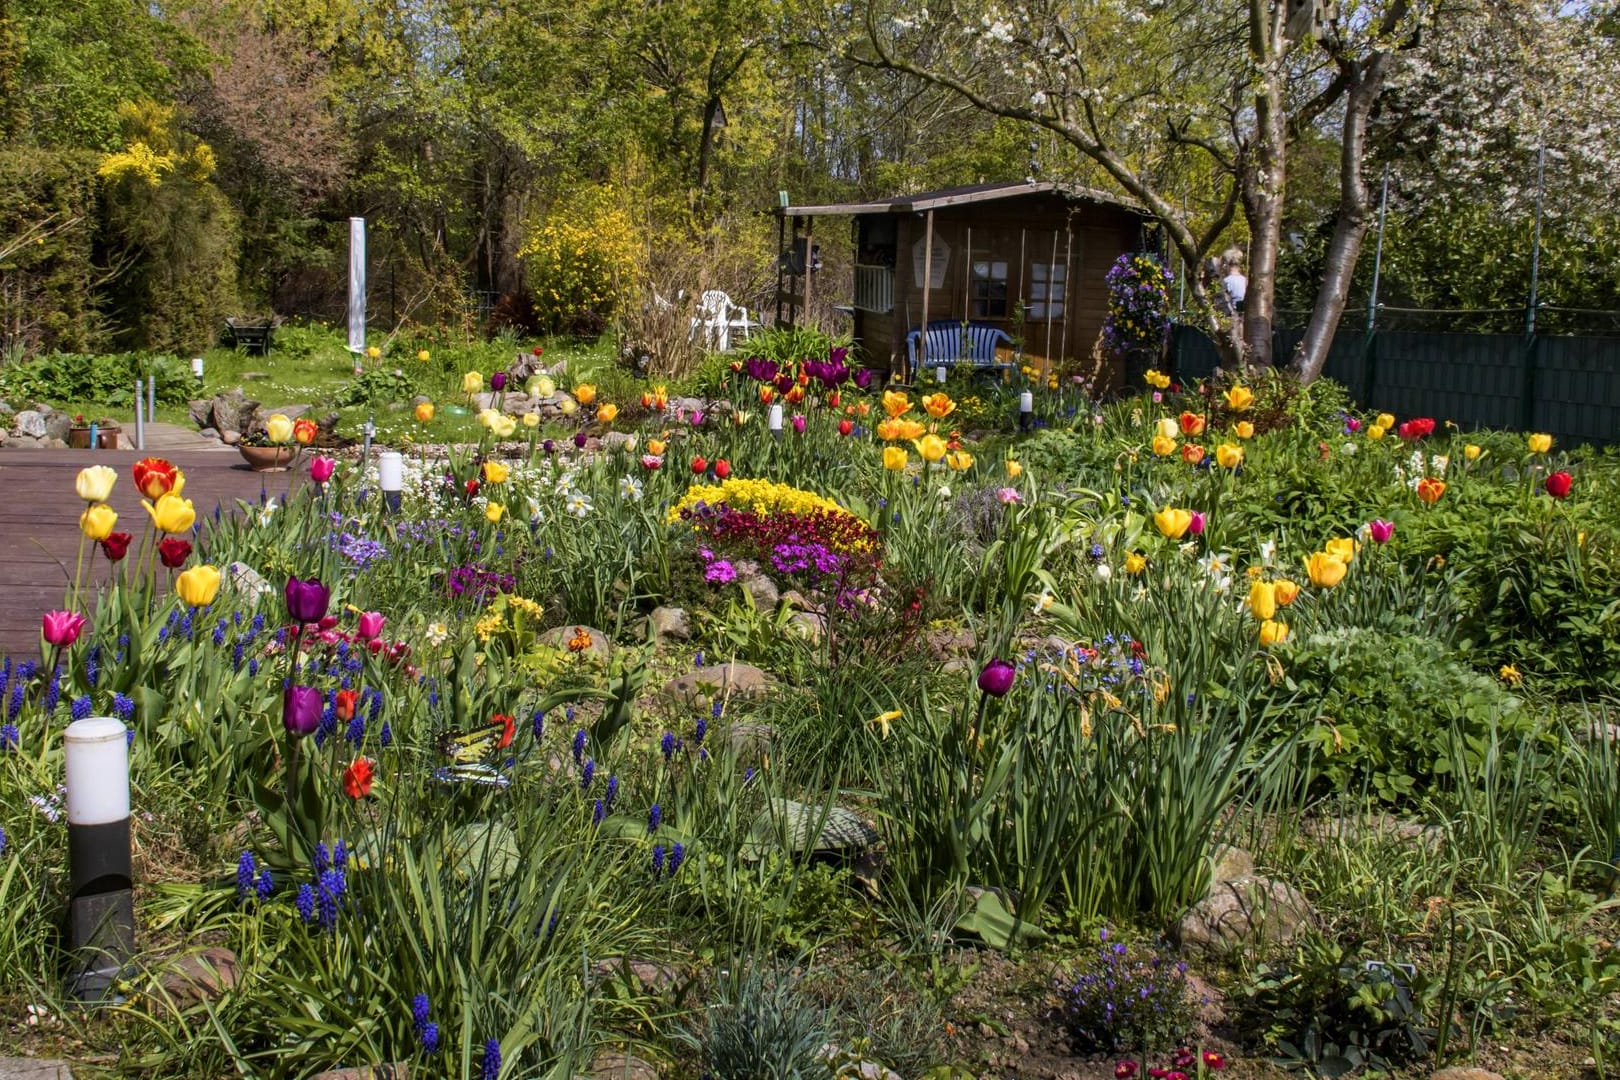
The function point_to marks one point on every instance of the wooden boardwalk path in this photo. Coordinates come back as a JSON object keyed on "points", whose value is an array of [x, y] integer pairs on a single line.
{"points": [[39, 521]]}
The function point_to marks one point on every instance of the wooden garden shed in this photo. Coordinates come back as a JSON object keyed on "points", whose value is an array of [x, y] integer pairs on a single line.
{"points": [[1027, 258]]}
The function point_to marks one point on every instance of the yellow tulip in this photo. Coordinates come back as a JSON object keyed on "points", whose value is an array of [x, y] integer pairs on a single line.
{"points": [[374, 352], [910, 429], [487, 417], [1229, 455], [585, 393], [1472, 452], [1014, 469], [1325, 570], [503, 426], [888, 430], [1167, 427], [1540, 443], [424, 411], [95, 483], [1285, 591], [959, 460], [493, 512], [931, 448], [496, 472], [1385, 420], [606, 413], [97, 521], [1135, 563], [894, 458], [531, 420], [472, 382], [1239, 398], [199, 585], [1243, 429], [1343, 549], [568, 406], [895, 403], [1262, 599], [1273, 632], [1173, 522], [544, 387], [657, 446], [171, 513], [278, 429], [1164, 445], [424, 357], [939, 406], [1376, 432]]}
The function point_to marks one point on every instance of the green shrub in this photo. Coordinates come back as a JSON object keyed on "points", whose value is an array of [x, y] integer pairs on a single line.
{"points": [[107, 380]]}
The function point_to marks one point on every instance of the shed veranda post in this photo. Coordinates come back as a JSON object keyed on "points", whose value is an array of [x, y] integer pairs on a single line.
{"points": [[928, 280]]}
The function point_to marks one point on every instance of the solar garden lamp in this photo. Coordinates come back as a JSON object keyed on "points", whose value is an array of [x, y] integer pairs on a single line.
{"points": [[1026, 411], [391, 478], [773, 420], [101, 916]]}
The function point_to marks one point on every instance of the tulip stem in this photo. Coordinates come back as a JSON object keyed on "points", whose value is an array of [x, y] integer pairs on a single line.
{"points": [[78, 572]]}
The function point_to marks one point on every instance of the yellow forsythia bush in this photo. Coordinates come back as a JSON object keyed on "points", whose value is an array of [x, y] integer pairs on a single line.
{"points": [[583, 258]]}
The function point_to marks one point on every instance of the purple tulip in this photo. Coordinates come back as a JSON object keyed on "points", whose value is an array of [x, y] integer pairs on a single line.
{"points": [[863, 379], [549, 446], [697, 418], [1380, 530], [579, 440], [301, 710], [497, 381], [997, 677], [307, 600]]}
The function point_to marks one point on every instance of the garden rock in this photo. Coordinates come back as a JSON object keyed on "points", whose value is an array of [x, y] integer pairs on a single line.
{"points": [[618, 440], [31, 422], [248, 581], [26, 1068], [395, 1071], [1244, 911], [57, 426], [201, 976], [946, 643], [751, 743], [231, 410], [611, 1065], [558, 637], [763, 590], [209, 433], [1229, 863], [1459, 1072], [668, 622], [202, 411], [650, 975], [718, 680], [808, 626]]}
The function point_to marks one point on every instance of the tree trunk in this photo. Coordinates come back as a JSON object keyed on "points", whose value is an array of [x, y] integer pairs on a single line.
{"points": [[1263, 194], [1350, 225]]}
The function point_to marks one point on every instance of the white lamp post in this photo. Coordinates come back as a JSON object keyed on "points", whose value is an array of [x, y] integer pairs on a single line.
{"points": [[939, 374], [773, 420], [197, 368], [101, 929], [1026, 411], [391, 477]]}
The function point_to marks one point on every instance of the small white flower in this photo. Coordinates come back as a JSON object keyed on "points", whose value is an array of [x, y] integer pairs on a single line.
{"points": [[1042, 602], [1349, 449], [944, 491], [629, 489], [1439, 463], [578, 504], [1103, 572], [1268, 551], [267, 512], [437, 633]]}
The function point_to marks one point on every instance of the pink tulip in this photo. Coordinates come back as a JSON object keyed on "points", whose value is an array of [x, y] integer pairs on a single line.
{"points": [[1380, 530], [62, 628], [1197, 525], [321, 469], [371, 625], [798, 424]]}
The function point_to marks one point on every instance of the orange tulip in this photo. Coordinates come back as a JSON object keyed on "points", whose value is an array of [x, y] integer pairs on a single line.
{"points": [[1429, 489]]}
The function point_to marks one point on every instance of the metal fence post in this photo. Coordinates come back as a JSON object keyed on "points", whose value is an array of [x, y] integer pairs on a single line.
{"points": [[1527, 403], [1369, 366]]}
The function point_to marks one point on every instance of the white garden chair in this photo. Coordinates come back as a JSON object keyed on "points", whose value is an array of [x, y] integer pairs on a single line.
{"points": [[719, 318]]}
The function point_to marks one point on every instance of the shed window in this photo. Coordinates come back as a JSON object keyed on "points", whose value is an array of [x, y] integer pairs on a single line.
{"points": [[1047, 284], [989, 289]]}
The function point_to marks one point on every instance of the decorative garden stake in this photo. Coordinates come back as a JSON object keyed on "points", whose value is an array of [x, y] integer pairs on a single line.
{"points": [[391, 478], [101, 912]]}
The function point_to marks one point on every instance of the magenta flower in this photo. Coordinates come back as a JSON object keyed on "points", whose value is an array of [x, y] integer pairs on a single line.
{"points": [[798, 423], [307, 600], [497, 381], [322, 468], [1196, 527], [1008, 496], [62, 628], [997, 677], [371, 625], [1380, 530], [301, 710]]}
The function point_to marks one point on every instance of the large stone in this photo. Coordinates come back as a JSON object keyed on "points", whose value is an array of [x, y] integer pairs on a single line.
{"points": [[651, 976], [1228, 863], [398, 1070], [57, 426], [200, 976], [669, 622], [31, 422], [26, 1068], [1245, 911], [618, 440], [202, 411], [808, 626], [569, 637], [763, 590], [248, 581], [232, 411], [1464, 1072], [612, 1065], [718, 680]]}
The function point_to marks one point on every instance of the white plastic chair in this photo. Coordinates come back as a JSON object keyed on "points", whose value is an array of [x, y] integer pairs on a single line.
{"points": [[719, 318]]}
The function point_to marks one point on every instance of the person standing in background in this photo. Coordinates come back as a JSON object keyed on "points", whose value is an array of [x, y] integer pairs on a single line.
{"points": [[1237, 285]]}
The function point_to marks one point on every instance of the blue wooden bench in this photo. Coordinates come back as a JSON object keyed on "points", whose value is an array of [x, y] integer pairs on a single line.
{"points": [[950, 343]]}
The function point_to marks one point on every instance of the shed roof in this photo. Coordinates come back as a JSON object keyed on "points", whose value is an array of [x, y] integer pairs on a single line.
{"points": [[959, 196]]}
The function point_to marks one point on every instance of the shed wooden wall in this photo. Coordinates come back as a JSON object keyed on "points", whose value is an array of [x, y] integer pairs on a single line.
{"points": [[1020, 232]]}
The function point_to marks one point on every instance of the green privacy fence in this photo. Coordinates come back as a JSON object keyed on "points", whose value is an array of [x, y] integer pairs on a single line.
{"points": [[1566, 386]]}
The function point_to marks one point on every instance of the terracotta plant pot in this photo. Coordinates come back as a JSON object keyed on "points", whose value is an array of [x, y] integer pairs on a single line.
{"points": [[269, 458], [106, 437]]}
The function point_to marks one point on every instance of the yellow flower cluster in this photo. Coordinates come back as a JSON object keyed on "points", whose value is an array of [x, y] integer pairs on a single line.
{"points": [[757, 496], [494, 622], [1157, 379]]}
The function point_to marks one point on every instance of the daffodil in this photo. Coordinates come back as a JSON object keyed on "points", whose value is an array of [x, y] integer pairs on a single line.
{"points": [[882, 721]]}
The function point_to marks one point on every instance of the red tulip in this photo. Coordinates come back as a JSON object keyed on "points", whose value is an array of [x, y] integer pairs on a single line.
{"points": [[155, 477], [358, 776], [699, 466], [174, 551], [833, 399], [472, 488], [116, 546], [722, 468], [62, 628], [1557, 484], [845, 427], [344, 704]]}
